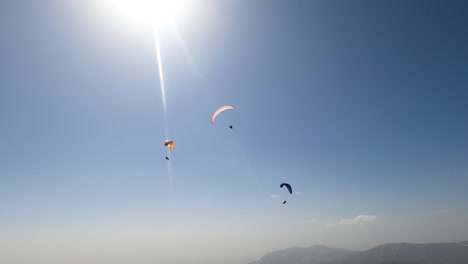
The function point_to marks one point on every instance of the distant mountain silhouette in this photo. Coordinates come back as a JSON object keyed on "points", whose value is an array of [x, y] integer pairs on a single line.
{"points": [[400, 253], [309, 255]]}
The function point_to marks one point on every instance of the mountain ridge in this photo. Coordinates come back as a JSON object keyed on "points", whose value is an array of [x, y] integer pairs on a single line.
{"points": [[395, 253]]}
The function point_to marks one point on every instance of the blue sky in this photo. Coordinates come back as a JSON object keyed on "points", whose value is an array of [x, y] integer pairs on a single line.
{"points": [[360, 105]]}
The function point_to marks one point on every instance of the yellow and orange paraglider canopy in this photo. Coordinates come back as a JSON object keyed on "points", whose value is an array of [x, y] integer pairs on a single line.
{"points": [[169, 144]]}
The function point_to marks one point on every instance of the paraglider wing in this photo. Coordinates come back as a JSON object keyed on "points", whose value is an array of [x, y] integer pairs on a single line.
{"points": [[219, 110], [287, 186], [169, 144]]}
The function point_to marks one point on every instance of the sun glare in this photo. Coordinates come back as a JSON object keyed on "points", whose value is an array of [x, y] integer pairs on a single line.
{"points": [[156, 13]]}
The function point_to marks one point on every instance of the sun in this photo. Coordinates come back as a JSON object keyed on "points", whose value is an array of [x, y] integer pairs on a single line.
{"points": [[156, 13]]}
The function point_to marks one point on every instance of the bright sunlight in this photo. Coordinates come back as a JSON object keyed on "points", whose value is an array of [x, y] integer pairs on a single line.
{"points": [[156, 13]]}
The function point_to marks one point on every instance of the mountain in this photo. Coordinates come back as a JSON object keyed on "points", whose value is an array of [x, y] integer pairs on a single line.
{"points": [[406, 253], [309, 255], [400, 253]]}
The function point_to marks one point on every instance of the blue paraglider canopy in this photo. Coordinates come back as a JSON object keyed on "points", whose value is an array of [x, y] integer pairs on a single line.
{"points": [[287, 186]]}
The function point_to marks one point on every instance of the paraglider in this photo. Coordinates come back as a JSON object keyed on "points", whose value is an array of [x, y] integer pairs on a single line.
{"points": [[169, 144], [221, 109], [288, 187]]}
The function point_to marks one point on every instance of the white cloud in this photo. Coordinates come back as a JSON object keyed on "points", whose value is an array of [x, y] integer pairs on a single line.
{"points": [[442, 211], [358, 219], [298, 192], [273, 196]]}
